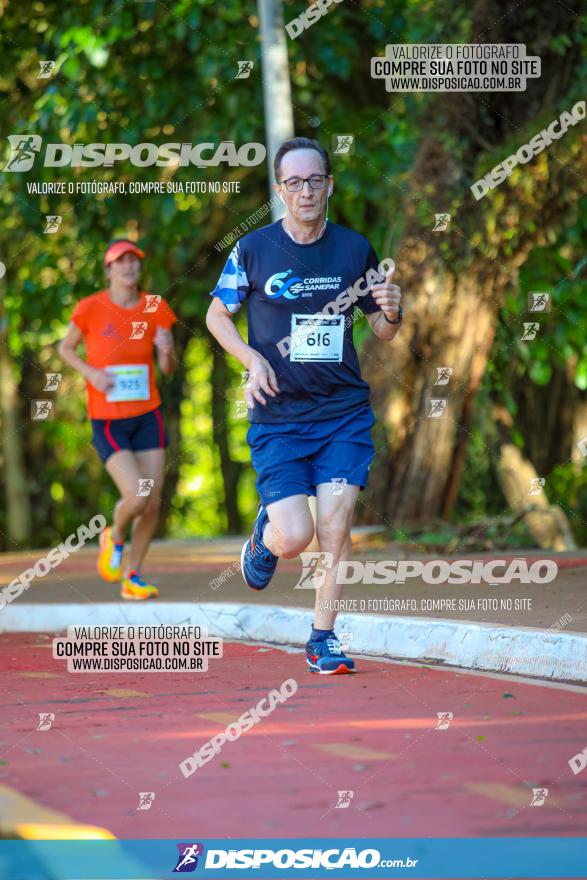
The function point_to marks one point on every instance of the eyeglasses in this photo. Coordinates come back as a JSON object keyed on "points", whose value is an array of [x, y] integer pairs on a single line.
{"points": [[295, 184]]}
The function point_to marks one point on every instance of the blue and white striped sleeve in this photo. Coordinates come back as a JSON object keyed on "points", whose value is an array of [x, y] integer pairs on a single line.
{"points": [[233, 285]]}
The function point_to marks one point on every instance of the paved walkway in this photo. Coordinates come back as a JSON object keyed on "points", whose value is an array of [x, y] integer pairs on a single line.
{"points": [[373, 734], [188, 571]]}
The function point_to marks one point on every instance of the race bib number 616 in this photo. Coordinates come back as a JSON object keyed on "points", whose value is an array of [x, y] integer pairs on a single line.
{"points": [[317, 338]]}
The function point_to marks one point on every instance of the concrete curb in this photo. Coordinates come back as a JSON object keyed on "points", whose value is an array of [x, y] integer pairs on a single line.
{"points": [[483, 646]]}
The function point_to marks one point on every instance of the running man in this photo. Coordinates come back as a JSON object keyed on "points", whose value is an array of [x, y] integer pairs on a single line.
{"points": [[308, 405], [121, 328]]}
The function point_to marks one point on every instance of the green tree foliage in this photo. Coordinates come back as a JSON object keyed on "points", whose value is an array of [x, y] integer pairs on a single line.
{"points": [[166, 72]]}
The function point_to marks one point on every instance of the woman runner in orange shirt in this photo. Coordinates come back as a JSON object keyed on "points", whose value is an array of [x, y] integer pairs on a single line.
{"points": [[121, 328]]}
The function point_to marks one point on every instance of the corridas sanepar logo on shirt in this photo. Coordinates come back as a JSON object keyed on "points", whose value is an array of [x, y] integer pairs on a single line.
{"points": [[292, 288]]}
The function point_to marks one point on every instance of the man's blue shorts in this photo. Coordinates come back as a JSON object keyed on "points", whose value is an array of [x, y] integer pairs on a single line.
{"points": [[137, 434], [294, 457]]}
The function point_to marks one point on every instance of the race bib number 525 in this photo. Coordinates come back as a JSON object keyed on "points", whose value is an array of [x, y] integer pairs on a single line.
{"points": [[317, 338], [131, 382]]}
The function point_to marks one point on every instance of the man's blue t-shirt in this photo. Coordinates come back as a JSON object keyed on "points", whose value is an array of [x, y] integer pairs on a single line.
{"points": [[283, 283]]}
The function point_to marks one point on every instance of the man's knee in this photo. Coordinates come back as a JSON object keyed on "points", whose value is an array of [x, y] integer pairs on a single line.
{"points": [[333, 536], [295, 540]]}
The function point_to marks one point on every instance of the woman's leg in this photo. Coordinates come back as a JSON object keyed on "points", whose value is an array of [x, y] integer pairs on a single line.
{"points": [[151, 464], [124, 469]]}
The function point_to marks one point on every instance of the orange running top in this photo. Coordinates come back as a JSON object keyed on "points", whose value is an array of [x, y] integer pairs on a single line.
{"points": [[118, 336]]}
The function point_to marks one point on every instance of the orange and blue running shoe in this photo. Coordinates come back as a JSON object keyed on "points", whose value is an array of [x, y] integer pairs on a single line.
{"points": [[109, 557], [258, 563], [135, 588], [326, 657]]}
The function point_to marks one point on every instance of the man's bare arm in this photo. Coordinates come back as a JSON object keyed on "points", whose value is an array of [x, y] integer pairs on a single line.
{"points": [[262, 378], [388, 296], [382, 328]]}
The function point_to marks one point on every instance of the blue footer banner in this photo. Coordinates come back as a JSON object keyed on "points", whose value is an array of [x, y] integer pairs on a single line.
{"points": [[299, 857]]}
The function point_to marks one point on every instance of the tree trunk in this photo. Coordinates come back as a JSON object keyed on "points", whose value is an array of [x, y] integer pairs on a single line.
{"points": [[231, 470], [279, 124], [579, 453], [454, 282], [450, 323], [172, 395], [18, 509], [546, 522], [545, 415]]}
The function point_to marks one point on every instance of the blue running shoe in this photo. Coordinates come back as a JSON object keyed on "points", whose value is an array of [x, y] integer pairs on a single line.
{"points": [[327, 657], [258, 564]]}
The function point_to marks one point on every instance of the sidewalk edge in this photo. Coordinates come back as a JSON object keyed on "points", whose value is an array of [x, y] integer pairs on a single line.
{"points": [[476, 646]]}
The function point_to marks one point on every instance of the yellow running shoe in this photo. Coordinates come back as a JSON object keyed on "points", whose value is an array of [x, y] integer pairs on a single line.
{"points": [[109, 557], [135, 588]]}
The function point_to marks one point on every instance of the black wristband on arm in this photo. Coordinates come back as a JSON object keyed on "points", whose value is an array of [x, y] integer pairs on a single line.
{"points": [[399, 318]]}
